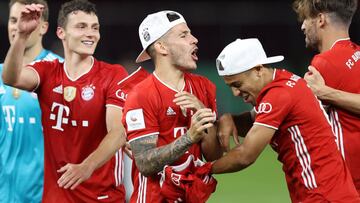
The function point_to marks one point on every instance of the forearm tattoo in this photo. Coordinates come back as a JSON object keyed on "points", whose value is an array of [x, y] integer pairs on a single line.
{"points": [[151, 159]]}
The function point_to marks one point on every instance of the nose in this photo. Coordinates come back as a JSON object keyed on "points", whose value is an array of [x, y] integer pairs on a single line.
{"points": [[236, 92], [303, 26], [194, 39]]}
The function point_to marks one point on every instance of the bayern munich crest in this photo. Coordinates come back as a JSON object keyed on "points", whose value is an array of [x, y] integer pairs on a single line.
{"points": [[88, 92]]}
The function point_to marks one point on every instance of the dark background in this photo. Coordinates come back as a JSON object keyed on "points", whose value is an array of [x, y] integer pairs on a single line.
{"points": [[215, 24]]}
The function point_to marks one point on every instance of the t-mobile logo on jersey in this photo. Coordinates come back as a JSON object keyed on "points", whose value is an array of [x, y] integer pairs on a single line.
{"points": [[178, 131], [10, 119], [62, 117]]}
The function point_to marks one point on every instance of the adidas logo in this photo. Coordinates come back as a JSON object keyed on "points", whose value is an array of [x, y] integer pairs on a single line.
{"points": [[58, 89], [170, 112]]}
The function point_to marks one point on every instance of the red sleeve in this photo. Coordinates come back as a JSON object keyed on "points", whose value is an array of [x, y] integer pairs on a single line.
{"points": [[273, 108], [140, 115], [113, 96], [327, 70], [42, 69]]}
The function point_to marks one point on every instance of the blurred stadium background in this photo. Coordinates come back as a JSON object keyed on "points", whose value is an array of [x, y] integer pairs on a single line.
{"points": [[215, 24]]}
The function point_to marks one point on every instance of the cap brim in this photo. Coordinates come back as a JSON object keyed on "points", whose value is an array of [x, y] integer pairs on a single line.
{"points": [[143, 56], [273, 59]]}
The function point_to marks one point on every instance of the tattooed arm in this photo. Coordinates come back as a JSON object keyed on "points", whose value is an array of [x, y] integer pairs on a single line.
{"points": [[151, 159]]}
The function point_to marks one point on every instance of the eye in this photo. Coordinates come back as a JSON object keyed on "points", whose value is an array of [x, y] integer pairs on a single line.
{"points": [[12, 20]]}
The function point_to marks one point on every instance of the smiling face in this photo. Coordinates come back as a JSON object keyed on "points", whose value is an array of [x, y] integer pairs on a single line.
{"points": [[81, 33], [181, 47], [246, 85]]}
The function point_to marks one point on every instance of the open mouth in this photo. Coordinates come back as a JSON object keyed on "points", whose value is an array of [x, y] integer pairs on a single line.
{"points": [[88, 42], [193, 54]]}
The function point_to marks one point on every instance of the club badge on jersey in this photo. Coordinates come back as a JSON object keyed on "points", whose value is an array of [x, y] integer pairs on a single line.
{"points": [[16, 93], [88, 92], [69, 93]]}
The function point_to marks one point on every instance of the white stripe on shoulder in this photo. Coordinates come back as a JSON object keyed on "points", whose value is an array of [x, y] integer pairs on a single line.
{"points": [[49, 57], [266, 125], [142, 136], [127, 77], [116, 106]]}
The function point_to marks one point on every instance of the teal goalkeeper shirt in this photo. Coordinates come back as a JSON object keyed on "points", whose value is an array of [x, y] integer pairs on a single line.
{"points": [[21, 142]]}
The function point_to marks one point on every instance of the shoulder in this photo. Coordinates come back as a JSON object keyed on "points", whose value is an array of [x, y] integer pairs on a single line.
{"points": [[49, 64], [111, 69], [50, 56], [200, 81]]}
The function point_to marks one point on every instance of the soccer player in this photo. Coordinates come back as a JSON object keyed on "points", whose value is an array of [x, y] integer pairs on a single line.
{"points": [[21, 136], [81, 111], [290, 118], [169, 116], [333, 72]]}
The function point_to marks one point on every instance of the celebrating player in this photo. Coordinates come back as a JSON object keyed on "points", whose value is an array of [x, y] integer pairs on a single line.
{"points": [[81, 111], [332, 74], [290, 118], [169, 116]]}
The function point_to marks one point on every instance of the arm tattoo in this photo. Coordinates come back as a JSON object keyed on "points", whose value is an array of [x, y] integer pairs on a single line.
{"points": [[151, 159]]}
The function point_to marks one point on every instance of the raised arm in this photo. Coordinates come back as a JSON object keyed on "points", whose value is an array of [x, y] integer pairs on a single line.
{"points": [[14, 73], [151, 159], [74, 174], [345, 100]]}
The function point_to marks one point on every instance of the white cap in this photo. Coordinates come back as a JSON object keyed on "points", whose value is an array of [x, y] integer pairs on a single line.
{"points": [[242, 55], [154, 26]]}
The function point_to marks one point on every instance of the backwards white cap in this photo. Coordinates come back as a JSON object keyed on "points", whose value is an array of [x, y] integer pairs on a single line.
{"points": [[154, 26], [242, 55]]}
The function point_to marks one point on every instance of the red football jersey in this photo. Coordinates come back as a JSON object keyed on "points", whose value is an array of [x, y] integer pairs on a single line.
{"points": [[73, 118], [305, 144], [340, 68], [150, 110]]}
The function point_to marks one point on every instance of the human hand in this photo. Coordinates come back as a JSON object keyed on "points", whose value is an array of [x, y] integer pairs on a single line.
{"points": [[29, 18], [127, 149], [73, 175], [314, 80], [200, 121], [188, 101], [226, 129]]}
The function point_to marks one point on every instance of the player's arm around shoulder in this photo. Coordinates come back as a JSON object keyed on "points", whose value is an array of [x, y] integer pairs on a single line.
{"points": [[345, 100]]}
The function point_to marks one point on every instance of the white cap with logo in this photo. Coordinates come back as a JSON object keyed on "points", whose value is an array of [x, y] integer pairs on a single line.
{"points": [[242, 55], [154, 26]]}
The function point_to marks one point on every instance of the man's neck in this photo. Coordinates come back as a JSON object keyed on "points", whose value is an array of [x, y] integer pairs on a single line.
{"points": [[171, 76], [330, 36], [77, 65], [31, 53]]}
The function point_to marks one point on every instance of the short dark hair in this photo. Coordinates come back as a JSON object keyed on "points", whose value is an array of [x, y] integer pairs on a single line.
{"points": [[344, 10], [45, 13], [74, 5]]}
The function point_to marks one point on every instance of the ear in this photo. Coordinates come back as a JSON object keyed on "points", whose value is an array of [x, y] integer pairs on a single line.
{"points": [[44, 26], [321, 20], [160, 48], [60, 32]]}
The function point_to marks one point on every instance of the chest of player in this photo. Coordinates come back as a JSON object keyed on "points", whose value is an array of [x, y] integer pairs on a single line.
{"points": [[173, 120], [73, 104]]}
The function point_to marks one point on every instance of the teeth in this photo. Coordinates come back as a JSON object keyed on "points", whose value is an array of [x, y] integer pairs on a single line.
{"points": [[88, 42]]}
